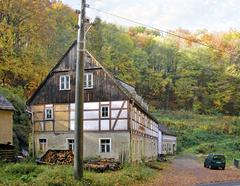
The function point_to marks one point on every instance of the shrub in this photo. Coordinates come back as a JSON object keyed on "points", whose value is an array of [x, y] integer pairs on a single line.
{"points": [[205, 148]]}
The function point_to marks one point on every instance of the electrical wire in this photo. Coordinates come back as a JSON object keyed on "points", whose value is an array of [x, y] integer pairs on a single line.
{"points": [[159, 30]]}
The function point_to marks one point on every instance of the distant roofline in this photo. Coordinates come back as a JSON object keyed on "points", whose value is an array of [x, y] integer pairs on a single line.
{"points": [[5, 104]]}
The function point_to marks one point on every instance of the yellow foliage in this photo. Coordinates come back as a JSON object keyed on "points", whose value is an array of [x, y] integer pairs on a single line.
{"points": [[57, 5]]}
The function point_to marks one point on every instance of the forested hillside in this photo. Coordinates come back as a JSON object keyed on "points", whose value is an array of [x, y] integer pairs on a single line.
{"points": [[204, 134], [173, 73], [33, 36], [169, 72]]}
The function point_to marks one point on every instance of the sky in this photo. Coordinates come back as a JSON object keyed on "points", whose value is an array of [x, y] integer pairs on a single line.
{"points": [[213, 15]]}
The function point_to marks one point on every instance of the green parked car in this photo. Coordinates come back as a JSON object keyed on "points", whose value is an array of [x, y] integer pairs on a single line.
{"points": [[214, 161]]}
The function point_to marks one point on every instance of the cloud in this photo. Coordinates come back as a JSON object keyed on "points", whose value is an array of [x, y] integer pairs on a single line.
{"points": [[170, 14]]}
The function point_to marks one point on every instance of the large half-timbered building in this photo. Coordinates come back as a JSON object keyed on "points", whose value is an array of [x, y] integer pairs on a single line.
{"points": [[116, 120]]}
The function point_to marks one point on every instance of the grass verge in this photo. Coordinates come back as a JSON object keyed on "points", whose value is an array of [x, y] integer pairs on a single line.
{"points": [[32, 174]]}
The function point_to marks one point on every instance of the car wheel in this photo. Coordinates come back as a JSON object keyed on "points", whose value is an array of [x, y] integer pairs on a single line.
{"points": [[223, 168], [210, 167]]}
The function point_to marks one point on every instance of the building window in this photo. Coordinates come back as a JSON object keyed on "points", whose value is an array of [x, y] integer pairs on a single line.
{"points": [[104, 111], [48, 113], [105, 145], [42, 144], [88, 80], [70, 144], [64, 83]]}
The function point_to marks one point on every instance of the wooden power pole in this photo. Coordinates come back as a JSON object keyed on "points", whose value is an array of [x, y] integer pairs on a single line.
{"points": [[79, 96]]}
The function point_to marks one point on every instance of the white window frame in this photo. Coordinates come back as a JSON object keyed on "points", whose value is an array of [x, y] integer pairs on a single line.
{"points": [[65, 85], [44, 150], [100, 148], [86, 76], [104, 106], [45, 112], [67, 142]]}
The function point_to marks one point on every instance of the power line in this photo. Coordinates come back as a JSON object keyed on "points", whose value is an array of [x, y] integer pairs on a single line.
{"points": [[160, 30]]}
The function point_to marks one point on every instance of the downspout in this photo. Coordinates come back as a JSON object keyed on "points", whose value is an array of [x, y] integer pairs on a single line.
{"points": [[33, 133], [130, 127]]}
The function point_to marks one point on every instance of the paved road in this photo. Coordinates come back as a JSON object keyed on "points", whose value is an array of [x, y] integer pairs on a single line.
{"points": [[187, 171], [222, 184]]}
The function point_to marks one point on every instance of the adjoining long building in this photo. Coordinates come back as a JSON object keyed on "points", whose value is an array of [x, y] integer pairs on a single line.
{"points": [[117, 123]]}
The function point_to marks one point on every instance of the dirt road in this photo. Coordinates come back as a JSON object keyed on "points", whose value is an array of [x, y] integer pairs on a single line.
{"points": [[187, 171]]}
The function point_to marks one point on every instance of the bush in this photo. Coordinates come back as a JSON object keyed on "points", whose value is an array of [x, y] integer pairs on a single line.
{"points": [[205, 148]]}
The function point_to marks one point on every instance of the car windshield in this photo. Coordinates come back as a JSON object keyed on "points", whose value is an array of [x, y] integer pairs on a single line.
{"points": [[219, 157]]}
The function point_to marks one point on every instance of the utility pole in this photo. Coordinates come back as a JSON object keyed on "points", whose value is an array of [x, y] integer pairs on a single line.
{"points": [[79, 96]]}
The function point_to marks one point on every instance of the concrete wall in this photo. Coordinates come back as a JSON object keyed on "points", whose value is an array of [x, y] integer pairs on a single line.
{"points": [[6, 126], [143, 148], [119, 143]]}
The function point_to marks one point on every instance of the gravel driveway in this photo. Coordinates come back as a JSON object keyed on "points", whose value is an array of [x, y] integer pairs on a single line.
{"points": [[186, 171]]}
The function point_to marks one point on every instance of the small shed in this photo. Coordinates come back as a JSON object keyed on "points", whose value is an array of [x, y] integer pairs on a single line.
{"points": [[6, 121], [167, 141]]}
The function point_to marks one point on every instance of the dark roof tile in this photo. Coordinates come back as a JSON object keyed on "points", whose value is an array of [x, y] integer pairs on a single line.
{"points": [[5, 104]]}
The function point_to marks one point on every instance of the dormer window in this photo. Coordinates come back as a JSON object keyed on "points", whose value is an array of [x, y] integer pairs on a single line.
{"points": [[64, 83], [88, 80]]}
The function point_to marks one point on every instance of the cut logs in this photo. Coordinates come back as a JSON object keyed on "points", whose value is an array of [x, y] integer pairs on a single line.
{"points": [[103, 165], [59, 157], [7, 153], [66, 157]]}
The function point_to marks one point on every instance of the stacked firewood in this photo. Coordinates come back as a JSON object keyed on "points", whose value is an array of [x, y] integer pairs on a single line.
{"points": [[103, 165], [7, 153], [60, 157], [65, 157]]}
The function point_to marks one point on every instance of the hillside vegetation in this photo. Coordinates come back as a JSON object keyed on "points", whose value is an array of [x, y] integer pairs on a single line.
{"points": [[204, 134], [169, 72]]}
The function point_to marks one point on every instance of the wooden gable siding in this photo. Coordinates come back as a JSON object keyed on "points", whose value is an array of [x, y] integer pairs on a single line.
{"points": [[68, 62], [104, 88]]}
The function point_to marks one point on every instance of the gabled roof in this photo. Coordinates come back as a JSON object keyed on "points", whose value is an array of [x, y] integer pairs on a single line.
{"points": [[49, 74], [5, 104], [129, 90], [124, 87], [165, 130]]}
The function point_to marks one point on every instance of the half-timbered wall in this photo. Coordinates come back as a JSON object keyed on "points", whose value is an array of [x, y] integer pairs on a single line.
{"points": [[54, 110], [144, 134], [64, 117], [142, 124]]}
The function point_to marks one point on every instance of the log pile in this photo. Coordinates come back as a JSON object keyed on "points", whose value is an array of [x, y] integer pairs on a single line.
{"points": [[59, 157], [66, 157], [103, 165], [7, 153]]}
